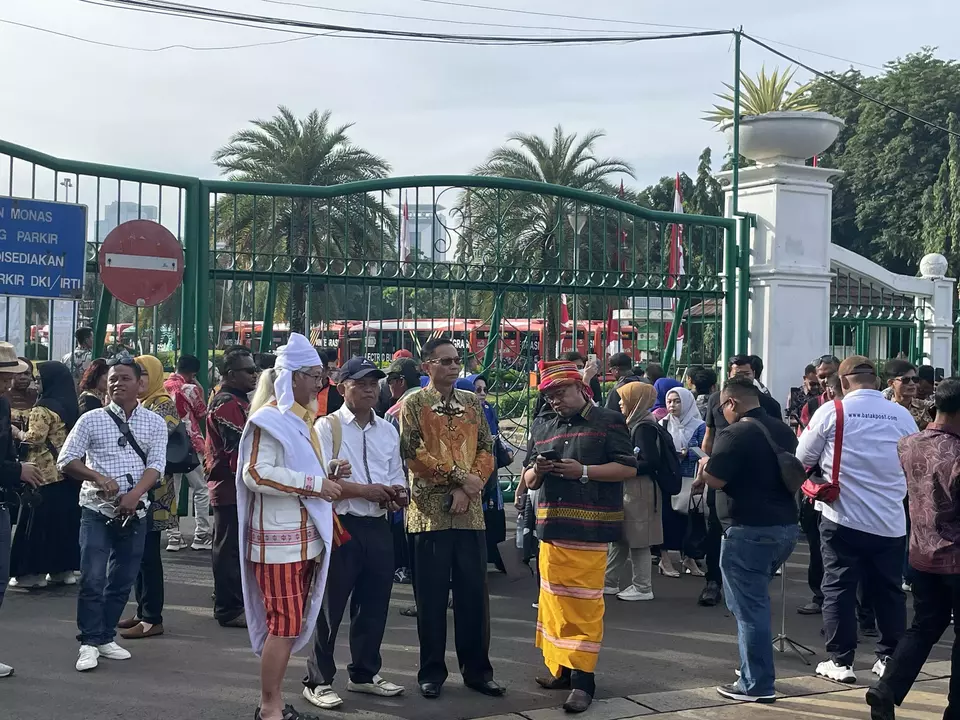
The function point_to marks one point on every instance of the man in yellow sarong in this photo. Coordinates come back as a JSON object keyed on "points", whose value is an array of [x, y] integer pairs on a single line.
{"points": [[579, 456]]}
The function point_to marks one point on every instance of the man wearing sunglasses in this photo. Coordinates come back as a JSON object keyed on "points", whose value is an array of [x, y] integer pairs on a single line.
{"points": [[125, 451], [445, 439], [903, 382]]}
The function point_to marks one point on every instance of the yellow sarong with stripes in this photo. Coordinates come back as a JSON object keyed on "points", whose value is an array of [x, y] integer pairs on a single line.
{"points": [[570, 618]]}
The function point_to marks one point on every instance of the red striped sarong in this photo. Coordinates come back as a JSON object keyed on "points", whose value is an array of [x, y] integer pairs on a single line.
{"points": [[285, 589]]}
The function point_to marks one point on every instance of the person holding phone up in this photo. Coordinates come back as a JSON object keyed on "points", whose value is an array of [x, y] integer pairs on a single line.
{"points": [[579, 455]]}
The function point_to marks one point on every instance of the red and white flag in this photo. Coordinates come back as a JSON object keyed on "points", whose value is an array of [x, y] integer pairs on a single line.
{"points": [[405, 249], [675, 266], [564, 310]]}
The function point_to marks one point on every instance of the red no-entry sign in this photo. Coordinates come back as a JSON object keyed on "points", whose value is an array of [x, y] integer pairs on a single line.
{"points": [[141, 263]]}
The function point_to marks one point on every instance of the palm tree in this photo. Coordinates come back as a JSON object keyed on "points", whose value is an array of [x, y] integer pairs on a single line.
{"points": [[300, 235], [525, 231]]}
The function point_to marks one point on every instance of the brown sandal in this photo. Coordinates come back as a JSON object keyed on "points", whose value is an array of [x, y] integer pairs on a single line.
{"points": [[138, 633]]}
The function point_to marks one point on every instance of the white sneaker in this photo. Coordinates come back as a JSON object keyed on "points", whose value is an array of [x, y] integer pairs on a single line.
{"points": [[64, 578], [907, 587], [880, 666], [174, 543], [611, 590], [5, 671], [323, 697], [202, 543], [840, 673], [112, 651], [379, 686], [631, 594], [28, 582], [87, 660]]}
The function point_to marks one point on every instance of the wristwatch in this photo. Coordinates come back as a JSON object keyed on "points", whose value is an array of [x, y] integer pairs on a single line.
{"points": [[585, 475]]}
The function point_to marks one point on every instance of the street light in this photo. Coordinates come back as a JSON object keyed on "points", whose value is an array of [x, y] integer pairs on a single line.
{"points": [[67, 184]]}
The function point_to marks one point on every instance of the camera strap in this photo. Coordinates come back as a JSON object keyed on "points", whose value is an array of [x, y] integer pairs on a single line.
{"points": [[129, 436]]}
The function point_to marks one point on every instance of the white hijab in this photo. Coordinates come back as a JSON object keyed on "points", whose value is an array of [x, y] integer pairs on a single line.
{"points": [[682, 428]]}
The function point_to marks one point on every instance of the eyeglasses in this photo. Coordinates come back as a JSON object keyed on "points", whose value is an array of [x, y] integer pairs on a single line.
{"points": [[123, 359], [447, 362], [826, 360], [316, 377], [914, 379], [124, 431]]}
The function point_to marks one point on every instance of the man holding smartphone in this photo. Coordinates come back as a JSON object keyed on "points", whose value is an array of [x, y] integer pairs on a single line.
{"points": [[579, 454], [361, 571]]}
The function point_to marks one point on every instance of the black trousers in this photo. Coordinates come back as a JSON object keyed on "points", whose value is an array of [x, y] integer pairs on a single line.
{"points": [[361, 572], [580, 680], [935, 597], [148, 587], [456, 558], [810, 524], [227, 586], [849, 558], [401, 547]]}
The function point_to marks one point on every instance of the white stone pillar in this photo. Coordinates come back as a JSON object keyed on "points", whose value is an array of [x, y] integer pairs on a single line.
{"points": [[936, 312], [13, 325], [789, 319]]}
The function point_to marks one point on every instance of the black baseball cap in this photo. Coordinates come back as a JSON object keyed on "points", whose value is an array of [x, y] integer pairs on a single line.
{"points": [[358, 367]]}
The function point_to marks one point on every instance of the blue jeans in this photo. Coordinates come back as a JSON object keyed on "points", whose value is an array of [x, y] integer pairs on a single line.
{"points": [[109, 563], [749, 557], [5, 541]]}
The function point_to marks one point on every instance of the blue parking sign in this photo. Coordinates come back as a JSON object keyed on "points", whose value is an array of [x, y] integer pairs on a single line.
{"points": [[42, 248]]}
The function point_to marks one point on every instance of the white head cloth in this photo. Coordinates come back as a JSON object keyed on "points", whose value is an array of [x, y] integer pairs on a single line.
{"points": [[297, 353]]}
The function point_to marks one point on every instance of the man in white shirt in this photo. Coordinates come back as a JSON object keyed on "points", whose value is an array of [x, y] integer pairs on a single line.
{"points": [[863, 531], [361, 570], [125, 447]]}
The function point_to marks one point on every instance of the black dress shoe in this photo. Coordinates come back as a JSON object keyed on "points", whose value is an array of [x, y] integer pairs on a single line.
{"points": [[577, 701], [487, 688], [554, 683], [881, 704], [431, 691]]}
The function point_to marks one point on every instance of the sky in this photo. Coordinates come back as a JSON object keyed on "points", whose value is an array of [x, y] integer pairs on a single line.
{"points": [[427, 108]]}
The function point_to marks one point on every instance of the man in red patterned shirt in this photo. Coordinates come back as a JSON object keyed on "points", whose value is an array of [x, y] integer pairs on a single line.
{"points": [[188, 396], [225, 421], [931, 463]]}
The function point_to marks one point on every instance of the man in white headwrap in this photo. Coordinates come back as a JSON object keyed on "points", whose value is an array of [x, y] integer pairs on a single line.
{"points": [[285, 516]]}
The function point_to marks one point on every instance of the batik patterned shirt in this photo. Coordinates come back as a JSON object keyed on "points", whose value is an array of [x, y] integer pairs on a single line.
{"points": [[931, 463], [442, 440], [226, 418]]}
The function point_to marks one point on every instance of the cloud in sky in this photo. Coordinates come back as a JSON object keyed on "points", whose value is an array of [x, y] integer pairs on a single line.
{"points": [[427, 108]]}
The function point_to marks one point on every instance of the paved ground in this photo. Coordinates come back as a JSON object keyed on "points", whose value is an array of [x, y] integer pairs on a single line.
{"points": [[200, 670]]}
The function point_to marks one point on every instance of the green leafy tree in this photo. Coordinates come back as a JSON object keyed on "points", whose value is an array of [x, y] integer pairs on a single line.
{"points": [[300, 234], [941, 205], [889, 160]]}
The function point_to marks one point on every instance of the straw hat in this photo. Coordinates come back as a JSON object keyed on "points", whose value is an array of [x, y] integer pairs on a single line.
{"points": [[9, 362]]}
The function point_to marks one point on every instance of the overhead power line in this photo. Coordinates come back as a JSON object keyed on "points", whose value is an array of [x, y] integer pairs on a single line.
{"points": [[216, 15]]}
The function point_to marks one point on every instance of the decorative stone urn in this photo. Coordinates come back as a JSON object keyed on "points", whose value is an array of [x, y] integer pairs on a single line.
{"points": [[784, 137]]}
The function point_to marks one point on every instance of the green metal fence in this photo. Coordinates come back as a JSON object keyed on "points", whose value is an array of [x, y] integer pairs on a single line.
{"points": [[513, 271]]}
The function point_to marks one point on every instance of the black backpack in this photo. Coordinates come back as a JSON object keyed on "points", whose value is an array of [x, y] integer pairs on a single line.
{"points": [[668, 476]]}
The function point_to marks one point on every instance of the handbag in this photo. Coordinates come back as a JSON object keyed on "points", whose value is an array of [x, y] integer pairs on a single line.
{"points": [[792, 472], [501, 453], [695, 537], [181, 456], [682, 502], [819, 489]]}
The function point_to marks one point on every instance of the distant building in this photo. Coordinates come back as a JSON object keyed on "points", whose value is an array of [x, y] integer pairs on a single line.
{"points": [[117, 213], [428, 233]]}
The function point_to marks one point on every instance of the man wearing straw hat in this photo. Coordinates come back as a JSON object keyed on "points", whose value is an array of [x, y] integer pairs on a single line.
{"points": [[14, 475], [579, 455], [285, 517]]}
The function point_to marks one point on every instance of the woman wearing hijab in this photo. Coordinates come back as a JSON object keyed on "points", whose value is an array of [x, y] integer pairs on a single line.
{"points": [[148, 622], [663, 386], [22, 396], [46, 546], [642, 500], [687, 429]]}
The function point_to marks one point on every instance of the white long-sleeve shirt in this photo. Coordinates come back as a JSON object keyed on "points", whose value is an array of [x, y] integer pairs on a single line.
{"points": [[373, 452], [872, 484]]}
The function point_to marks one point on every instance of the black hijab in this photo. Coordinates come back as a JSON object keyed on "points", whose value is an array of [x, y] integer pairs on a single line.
{"points": [[58, 393]]}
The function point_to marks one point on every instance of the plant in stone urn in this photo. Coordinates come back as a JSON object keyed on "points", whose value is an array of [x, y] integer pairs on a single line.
{"points": [[777, 125]]}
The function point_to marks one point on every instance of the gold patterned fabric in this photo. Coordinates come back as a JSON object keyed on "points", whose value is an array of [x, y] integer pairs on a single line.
{"points": [[164, 497], [442, 440], [45, 425]]}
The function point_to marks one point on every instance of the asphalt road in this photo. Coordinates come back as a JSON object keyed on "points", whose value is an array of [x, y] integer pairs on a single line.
{"points": [[200, 670]]}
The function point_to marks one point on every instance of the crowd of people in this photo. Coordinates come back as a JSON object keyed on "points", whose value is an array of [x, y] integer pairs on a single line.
{"points": [[317, 487]]}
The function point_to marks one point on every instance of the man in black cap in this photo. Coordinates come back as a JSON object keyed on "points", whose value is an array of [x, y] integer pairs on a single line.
{"points": [[361, 570]]}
